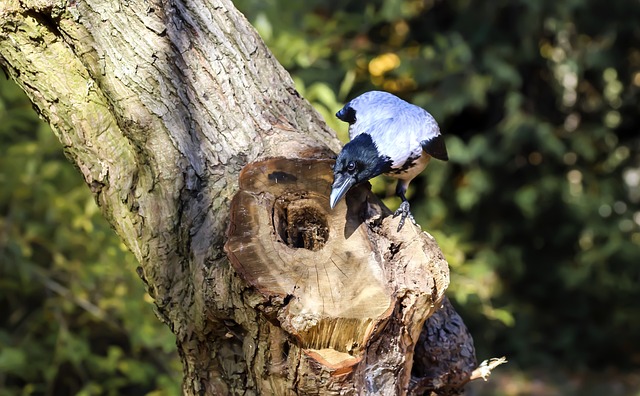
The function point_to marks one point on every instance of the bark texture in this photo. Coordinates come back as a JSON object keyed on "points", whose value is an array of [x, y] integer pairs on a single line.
{"points": [[160, 104]]}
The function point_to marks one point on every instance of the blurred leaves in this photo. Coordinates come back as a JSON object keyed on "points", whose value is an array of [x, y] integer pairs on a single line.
{"points": [[537, 210], [73, 317]]}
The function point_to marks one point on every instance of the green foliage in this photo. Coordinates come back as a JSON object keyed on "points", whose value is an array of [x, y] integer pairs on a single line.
{"points": [[74, 317], [538, 209]]}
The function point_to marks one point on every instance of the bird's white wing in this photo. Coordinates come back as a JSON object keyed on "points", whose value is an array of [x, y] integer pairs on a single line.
{"points": [[354, 131], [374, 126]]}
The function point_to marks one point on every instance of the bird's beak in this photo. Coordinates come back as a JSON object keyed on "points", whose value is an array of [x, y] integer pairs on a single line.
{"points": [[341, 184]]}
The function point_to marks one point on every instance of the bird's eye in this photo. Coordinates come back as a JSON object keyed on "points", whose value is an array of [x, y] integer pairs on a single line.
{"points": [[351, 166]]}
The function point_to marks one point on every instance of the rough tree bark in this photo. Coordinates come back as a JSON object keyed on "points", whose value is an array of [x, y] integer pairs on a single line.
{"points": [[160, 104]]}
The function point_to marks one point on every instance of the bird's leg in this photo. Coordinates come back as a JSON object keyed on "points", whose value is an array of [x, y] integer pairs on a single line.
{"points": [[403, 210]]}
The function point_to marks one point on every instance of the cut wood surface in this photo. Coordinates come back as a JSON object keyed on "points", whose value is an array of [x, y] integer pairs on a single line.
{"points": [[333, 279]]}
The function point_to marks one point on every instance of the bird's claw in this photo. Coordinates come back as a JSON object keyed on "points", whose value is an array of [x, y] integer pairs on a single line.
{"points": [[403, 212]]}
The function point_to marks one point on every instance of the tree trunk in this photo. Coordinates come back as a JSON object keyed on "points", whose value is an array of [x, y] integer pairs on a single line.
{"points": [[160, 105]]}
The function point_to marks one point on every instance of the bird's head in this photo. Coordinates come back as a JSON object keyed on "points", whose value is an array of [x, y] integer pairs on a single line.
{"points": [[358, 161]]}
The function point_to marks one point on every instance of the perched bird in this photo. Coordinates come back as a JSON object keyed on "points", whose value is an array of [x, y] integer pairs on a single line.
{"points": [[387, 136]]}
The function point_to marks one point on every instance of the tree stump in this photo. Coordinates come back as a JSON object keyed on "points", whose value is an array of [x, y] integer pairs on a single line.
{"points": [[346, 288]]}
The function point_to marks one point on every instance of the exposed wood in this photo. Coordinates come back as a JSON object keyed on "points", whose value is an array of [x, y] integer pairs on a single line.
{"points": [[327, 291], [334, 280]]}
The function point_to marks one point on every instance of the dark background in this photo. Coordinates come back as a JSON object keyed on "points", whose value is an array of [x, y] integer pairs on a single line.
{"points": [[537, 210]]}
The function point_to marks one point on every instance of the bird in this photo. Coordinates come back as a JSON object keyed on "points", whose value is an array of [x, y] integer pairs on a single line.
{"points": [[388, 136]]}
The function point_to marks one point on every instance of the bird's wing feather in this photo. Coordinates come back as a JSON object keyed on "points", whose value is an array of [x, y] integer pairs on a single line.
{"points": [[353, 132], [394, 140], [376, 127], [435, 147]]}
